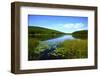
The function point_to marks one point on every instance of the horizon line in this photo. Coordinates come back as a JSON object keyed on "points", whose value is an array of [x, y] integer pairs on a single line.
{"points": [[54, 29]]}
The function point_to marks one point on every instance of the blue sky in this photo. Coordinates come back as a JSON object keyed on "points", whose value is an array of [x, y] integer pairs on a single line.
{"points": [[66, 24]]}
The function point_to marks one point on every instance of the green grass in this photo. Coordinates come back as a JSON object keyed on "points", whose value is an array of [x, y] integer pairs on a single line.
{"points": [[32, 44], [35, 47], [71, 49]]}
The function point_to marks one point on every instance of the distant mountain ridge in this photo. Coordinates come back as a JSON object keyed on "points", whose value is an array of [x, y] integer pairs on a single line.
{"points": [[81, 32]]}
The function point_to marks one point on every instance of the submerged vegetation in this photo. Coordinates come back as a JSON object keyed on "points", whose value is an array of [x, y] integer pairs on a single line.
{"points": [[68, 49]]}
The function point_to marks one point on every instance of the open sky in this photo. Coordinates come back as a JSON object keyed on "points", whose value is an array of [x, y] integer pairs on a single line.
{"points": [[66, 24]]}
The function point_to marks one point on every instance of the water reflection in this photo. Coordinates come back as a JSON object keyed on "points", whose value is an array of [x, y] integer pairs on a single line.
{"points": [[55, 41]]}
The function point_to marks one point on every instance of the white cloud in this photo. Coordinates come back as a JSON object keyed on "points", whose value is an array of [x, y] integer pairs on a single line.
{"points": [[74, 25]]}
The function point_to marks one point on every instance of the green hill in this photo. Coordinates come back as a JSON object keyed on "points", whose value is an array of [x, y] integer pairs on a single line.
{"points": [[41, 30], [83, 34], [41, 33]]}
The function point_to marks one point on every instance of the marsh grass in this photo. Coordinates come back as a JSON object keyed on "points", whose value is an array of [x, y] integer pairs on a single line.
{"points": [[71, 49], [35, 47], [32, 44]]}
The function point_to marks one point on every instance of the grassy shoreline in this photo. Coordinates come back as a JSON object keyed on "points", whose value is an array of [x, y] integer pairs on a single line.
{"points": [[69, 49]]}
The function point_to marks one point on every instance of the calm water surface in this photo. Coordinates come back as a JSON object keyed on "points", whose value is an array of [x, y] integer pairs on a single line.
{"points": [[55, 41]]}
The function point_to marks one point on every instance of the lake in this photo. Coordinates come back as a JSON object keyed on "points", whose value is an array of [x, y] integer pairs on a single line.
{"points": [[56, 41]]}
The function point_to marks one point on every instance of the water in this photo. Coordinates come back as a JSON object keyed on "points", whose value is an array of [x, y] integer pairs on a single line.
{"points": [[55, 41]]}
